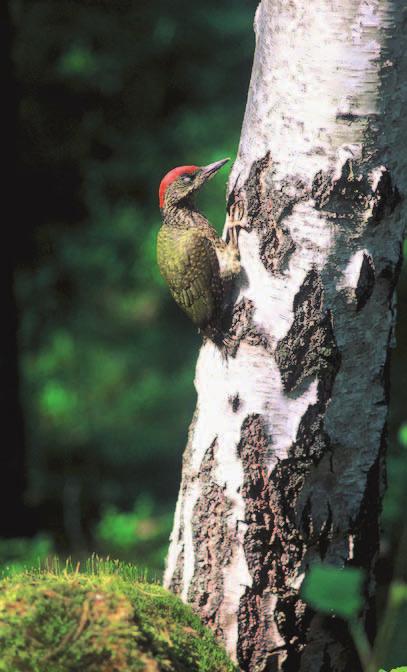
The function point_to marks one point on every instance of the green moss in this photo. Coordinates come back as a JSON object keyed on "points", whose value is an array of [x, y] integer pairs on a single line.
{"points": [[103, 620]]}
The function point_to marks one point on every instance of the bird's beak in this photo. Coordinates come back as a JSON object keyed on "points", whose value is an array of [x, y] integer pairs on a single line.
{"points": [[208, 171]]}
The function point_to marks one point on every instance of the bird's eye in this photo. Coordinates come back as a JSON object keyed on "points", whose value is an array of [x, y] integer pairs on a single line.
{"points": [[186, 179]]}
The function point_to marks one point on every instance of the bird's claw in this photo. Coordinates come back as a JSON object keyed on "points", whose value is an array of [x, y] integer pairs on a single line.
{"points": [[236, 218], [237, 212]]}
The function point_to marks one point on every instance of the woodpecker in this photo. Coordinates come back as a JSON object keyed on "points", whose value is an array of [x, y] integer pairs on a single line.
{"points": [[196, 263]]}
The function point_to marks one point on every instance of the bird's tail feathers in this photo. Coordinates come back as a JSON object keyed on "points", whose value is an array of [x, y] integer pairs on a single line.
{"points": [[223, 341]]}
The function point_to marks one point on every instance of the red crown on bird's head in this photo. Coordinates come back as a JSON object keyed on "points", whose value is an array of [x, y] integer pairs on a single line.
{"points": [[170, 177]]}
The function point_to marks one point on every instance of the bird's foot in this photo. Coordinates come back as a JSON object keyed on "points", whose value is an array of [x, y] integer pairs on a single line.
{"points": [[236, 218]]}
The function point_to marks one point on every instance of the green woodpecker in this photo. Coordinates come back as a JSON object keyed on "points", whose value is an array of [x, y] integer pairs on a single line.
{"points": [[196, 264]]}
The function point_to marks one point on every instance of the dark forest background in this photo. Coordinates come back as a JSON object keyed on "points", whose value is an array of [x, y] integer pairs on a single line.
{"points": [[101, 98]]}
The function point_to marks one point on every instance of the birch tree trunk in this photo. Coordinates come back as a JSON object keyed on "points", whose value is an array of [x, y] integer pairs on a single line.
{"points": [[284, 463]]}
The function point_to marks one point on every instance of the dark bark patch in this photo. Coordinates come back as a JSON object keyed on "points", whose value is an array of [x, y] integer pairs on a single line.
{"points": [[391, 273], [354, 193], [312, 508], [243, 328], [235, 402], [386, 197], [329, 647], [366, 282], [309, 348], [213, 543], [252, 450], [273, 548], [267, 205], [325, 534], [312, 442], [290, 612], [177, 578], [344, 195], [313, 447], [326, 661], [261, 546], [249, 621], [276, 247], [366, 531]]}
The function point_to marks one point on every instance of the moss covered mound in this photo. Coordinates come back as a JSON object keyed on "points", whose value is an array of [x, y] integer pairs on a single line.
{"points": [[100, 622]]}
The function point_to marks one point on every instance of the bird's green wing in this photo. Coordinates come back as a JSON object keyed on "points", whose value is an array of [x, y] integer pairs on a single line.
{"points": [[189, 264]]}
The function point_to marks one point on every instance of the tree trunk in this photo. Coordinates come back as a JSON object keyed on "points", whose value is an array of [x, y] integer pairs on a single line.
{"points": [[284, 463]]}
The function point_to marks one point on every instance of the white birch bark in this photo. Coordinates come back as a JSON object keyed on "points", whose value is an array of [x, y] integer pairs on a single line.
{"points": [[284, 461]]}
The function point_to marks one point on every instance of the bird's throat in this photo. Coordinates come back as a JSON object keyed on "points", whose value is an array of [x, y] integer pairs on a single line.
{"points": [[181, 215]]}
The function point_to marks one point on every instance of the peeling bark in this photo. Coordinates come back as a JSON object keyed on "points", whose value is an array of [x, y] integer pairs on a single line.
{"points": [[284, 463]]}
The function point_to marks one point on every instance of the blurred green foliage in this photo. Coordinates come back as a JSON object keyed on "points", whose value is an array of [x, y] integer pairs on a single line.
{"points": [[140, 536], [334, 590], [19, 554], [113, 95], [395, 498]]}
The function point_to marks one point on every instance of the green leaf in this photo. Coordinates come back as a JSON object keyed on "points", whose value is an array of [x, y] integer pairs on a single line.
{"points": [[403, 434], [403, 668], [398, 593], [78, 60], [334, 591]]}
